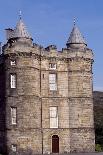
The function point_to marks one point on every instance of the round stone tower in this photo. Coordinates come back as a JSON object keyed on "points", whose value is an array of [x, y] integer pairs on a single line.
{"points": [[80, 98], [23, 105]]}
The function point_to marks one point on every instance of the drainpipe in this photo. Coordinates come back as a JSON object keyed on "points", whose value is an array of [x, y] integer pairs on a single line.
{"points": [[41, 102]]}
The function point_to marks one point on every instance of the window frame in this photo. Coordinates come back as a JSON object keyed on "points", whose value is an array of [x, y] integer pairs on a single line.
{"points": [[53, 82], [13, 80], [51, 66], [13, 116], [14, 147], [12, 62], [54, 118]]}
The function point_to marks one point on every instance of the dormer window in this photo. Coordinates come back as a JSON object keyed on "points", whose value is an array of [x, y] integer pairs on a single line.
{"points": [[13, 62], [52, 66]]}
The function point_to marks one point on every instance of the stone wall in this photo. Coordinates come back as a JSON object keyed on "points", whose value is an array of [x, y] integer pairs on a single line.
{"points": [[2, 108], [26, 133], [82, 140], [33, 98], [64, 140]]}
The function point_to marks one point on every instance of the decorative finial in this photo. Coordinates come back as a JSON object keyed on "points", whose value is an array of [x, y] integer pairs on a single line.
{"points": [[20, 14], [74, 21]]}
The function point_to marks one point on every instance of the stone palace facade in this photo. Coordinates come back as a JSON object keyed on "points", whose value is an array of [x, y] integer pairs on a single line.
{"points": [[46, 96]]}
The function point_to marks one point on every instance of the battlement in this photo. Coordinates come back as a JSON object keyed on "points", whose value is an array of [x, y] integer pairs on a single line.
{"points": [[50, 51]]}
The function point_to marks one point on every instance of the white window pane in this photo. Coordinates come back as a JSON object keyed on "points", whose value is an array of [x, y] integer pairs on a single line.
{"points": [[13, 115], [53, 117], [13, 112], [13, 81], [53, 86], [52, 78], [52, 66], [53, 122], [53, 112], [52, 82], [14, 148], [13, 62], [13, 120]]}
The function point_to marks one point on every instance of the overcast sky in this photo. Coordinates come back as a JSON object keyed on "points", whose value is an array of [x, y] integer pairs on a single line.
{"points": [[51, 21]]}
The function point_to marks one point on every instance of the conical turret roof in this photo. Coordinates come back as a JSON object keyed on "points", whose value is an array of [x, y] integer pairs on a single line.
{"points": [[20, 31], [76, 36]]}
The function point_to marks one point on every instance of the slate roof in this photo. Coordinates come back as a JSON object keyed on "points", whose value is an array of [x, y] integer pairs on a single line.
{"points": [[76, 36], [20, 31]]}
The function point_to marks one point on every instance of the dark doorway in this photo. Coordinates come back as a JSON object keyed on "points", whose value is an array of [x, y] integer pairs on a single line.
{"points": [[55, 144]]}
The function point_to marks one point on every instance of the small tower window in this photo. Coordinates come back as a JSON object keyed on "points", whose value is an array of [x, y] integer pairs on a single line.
{"points": [[52, 82], [12, 62], [13, 80], [53, 117], [52, 66], [14, 147], [13, 115], [43, 76]]}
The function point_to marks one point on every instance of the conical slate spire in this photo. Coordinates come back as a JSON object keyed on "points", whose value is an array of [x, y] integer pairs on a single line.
{"points": [[76, 37], [20, 31]]}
